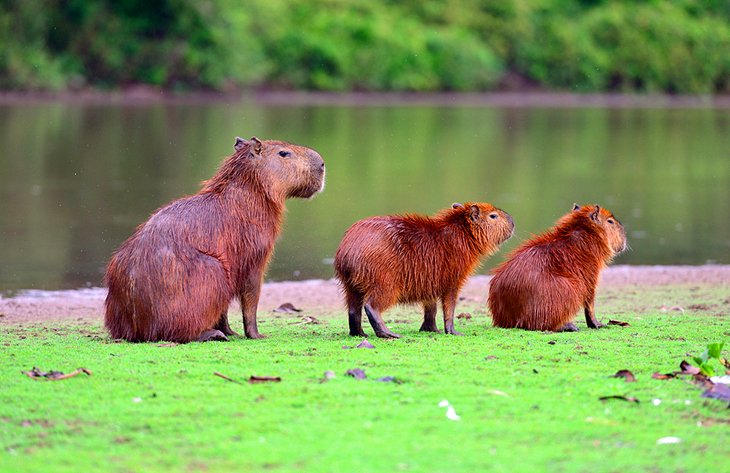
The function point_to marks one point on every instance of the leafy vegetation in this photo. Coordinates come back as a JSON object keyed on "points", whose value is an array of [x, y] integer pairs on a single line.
{"points": [[516, 400], [587, 45]]}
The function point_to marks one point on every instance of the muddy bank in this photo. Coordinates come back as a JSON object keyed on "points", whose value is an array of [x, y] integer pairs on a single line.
{"points": [[324, 295]]}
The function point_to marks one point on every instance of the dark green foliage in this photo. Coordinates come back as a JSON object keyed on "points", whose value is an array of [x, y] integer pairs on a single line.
{"points": [[589, 45]]}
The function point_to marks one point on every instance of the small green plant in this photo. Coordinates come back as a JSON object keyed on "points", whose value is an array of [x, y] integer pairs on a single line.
{"points": [[703, 361]]}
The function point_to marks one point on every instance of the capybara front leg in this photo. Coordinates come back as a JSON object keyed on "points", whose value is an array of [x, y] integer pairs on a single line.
{"points": [[376, 321], [429, 317], [212, 335], [591, 320], [449, 306], [249, 305], [223, 326]]}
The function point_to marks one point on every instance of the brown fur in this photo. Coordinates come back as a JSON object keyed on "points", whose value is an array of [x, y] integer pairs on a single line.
{"points": [[415, 259], [547, 279], [174, 278]]}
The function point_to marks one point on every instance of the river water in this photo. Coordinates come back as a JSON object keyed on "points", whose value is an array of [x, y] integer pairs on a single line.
{"points": [[75, 179]]}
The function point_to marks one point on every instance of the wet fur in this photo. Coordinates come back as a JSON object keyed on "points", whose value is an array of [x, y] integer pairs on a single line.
{"points": [[174, 278], [548, 279], [383, 261]]}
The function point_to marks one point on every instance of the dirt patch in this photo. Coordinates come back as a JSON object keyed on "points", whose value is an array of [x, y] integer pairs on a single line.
{"points": [[320, 295]]}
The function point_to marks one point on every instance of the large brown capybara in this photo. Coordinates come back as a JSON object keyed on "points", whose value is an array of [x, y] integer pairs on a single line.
{"points": [[415, 259], [174, 278], [547, 279]]}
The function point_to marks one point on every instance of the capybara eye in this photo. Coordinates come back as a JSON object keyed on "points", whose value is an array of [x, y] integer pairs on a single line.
{"points": [[610, 220], [284, 154], [493, 216]]}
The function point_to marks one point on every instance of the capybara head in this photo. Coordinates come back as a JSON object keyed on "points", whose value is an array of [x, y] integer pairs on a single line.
{"points": [[607, 224], [489, 225], [289, 170]]}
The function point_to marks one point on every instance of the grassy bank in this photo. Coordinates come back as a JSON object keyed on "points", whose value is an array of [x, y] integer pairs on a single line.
{"points": [[527, 401]]}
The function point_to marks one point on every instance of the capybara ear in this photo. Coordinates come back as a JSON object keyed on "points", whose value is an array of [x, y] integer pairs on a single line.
{"points": [[456, 205], [594, 214], [474, 212], [576, 207], [256, 145], [239, 143]]}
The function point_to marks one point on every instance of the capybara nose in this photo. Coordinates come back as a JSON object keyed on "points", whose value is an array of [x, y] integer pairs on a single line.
{"points": [[511, 220]]}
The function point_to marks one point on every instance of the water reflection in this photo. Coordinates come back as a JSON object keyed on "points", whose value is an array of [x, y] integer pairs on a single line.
{"points": [[75, 180]]}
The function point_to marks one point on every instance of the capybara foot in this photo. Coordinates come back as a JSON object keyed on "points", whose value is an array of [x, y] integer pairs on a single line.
{"points": [[453, 332], [387, 334], [569, 327], [212, 335], [223, 326], [429, 327], [595, 325], [358, 333], [254, 334]]}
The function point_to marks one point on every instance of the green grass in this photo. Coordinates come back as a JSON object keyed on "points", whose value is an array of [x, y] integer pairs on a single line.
{"points": [[525, 404]]}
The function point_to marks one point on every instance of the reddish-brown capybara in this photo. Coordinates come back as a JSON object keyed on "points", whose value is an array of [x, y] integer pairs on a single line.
{"points": [[547, 279], [174, 278], [415, 259]]}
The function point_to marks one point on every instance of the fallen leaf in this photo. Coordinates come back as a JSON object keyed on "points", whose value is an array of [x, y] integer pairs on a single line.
{"points": [[389, 379], [688, 368], [307, 320], [721, 379], [36, 373], [464, 315], [626, 374], [551, 342], [327, 376], [221, 375], [621, 398], [619, 323], [356, 373], [287, 308], [365, 344], [658, 375], [718, 391], [264, 379]]}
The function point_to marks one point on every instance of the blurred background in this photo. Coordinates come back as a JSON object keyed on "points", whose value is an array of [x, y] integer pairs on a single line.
{"points": [[110, 109]]}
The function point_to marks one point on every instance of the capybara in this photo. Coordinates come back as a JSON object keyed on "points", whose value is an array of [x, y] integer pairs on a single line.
{"points": [[174, 278], [547, 279], [383, 261]]}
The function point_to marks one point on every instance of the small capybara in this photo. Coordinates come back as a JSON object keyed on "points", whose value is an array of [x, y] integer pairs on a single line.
{"points": [[547, 279], [174, 278], [415, 259]]}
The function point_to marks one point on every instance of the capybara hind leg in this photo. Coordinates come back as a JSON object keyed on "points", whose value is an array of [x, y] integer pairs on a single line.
{"points": [[591, 320], [569, 327], [223, 326], [212, 335], [449, 306], [429, 317], [376, 321], [354, 312]]}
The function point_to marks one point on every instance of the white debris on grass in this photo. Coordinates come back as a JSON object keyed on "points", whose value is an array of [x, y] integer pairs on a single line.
{"points": [[656, 402], [668, 440], [721, 379], [450, 411]]}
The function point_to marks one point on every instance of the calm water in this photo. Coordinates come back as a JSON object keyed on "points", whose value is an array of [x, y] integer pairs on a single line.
{"points": [[76, 179]]}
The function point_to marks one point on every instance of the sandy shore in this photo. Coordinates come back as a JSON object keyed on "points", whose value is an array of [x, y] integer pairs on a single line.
{"points": [[324, 295]]}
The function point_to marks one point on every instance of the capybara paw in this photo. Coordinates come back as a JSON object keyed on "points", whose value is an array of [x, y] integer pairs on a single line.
{"points": [[212, 336], [429, 328], [596, 325], [569, 327], [355, 333], [254, 335], [387, 334], [454, 332]]}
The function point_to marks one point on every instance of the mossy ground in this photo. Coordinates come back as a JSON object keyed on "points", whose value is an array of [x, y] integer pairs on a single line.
{"points": [[527, 401]]}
